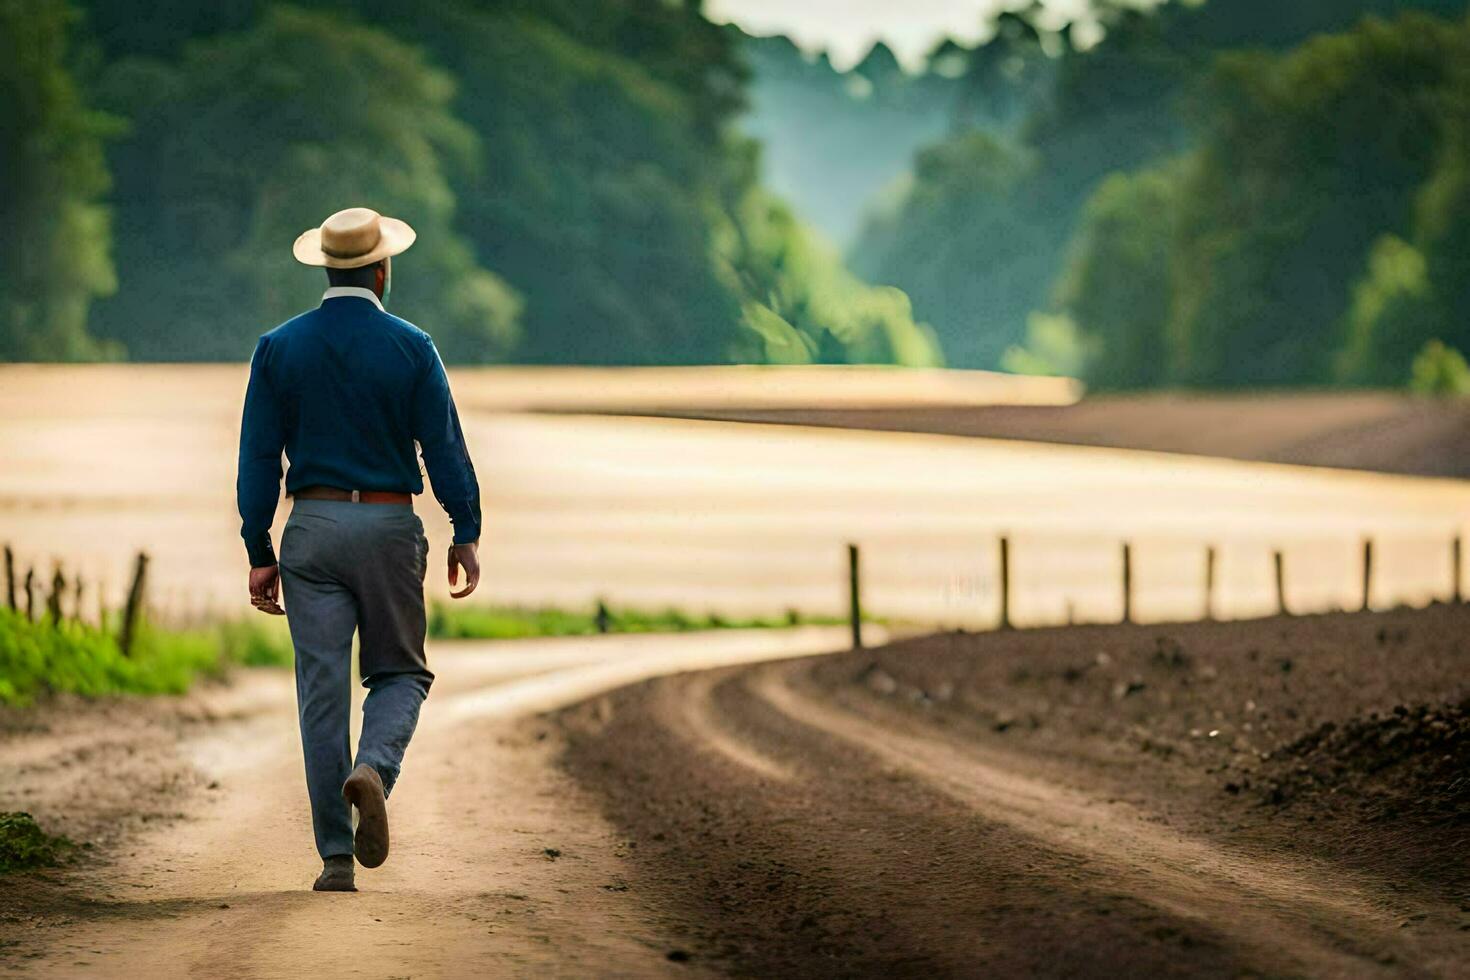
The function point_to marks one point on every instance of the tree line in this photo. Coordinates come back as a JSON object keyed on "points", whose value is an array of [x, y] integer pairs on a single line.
{"points": [[1242, 193], [579, 188]]}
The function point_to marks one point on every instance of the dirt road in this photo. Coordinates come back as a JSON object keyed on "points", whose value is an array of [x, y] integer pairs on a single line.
{"points": [[203, 851], [1281, 798], [1277, 798]]}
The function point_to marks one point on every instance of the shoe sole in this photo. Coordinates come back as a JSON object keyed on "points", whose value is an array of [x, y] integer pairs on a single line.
{"points": [[365, 791], [333, 887]]}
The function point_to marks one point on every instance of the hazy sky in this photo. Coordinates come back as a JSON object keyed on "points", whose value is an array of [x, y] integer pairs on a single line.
{"points": [[847, 28]]}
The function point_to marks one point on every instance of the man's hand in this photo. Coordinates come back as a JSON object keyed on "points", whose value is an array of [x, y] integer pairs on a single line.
{"points": [[265, 589], [468, 557]]}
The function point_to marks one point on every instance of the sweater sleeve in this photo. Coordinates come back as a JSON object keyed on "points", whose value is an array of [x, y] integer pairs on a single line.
{"points": [[437, 430], [258, 480]]}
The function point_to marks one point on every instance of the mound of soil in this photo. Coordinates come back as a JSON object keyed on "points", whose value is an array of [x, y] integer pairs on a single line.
{"points": [[1344, 735], [1411, 764]]}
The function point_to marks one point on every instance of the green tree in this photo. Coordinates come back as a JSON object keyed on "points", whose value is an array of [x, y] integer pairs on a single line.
{"points": [[1150, 92], [983, 230], [601, 179], [1307, 160], [56, 256], [1389, 313], [1417, 291], [1314, 234], [1118, 285], [802, 305], [1054, 346], [248, 138], [583, 152], [966, 225], [1440, 371]]}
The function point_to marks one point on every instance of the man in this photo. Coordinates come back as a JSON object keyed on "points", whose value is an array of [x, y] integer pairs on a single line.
{"points": [[345, 390]]}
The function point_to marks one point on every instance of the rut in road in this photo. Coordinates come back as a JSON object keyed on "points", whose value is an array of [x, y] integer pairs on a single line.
{"points": [[1268, 906], [798, 833]]}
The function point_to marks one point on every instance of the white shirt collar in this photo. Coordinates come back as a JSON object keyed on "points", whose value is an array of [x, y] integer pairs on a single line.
{"points": [[337, 292]]}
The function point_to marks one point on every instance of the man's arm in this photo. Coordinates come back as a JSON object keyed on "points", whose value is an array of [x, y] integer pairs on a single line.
{"points": [[436, 427], [258, 482]]}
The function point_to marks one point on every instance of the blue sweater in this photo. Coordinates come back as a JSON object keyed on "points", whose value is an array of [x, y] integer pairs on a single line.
{"points": [[345, 390]]}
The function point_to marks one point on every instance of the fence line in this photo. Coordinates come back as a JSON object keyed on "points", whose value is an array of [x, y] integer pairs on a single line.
{"points": [[133, 610], [1279, 566]]}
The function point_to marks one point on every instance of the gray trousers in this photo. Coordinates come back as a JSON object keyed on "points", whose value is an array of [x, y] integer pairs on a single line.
{"points": [[352, 567]]}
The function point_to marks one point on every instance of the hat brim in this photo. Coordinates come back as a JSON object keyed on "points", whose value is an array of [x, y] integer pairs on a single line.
{"points": [[394, 236]]}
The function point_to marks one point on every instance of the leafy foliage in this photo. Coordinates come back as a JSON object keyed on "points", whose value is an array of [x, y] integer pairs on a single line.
{"points": [[24, 845], [1313, 235], [802, 306], [572, 170], [56, 260], [1201, 197], [251, 137], [597, 191], [1440, 371], [965, 226], [1054, 348]]}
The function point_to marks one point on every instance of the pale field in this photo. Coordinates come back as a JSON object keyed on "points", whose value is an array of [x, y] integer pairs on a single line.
{"points": [[99, 462]]}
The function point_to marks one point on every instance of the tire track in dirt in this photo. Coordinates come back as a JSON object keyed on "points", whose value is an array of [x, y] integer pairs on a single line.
{"points": [[784, 831], [1324, 922], [844, 867]]}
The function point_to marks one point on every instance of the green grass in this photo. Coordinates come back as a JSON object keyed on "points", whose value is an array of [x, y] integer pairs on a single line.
{"points": [[40, 658], [256, 642], [456, 622], [24, 845]]}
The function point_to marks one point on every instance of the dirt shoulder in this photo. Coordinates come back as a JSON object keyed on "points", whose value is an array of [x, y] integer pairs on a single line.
{"points": [[1279, 797], [1380, 431]]}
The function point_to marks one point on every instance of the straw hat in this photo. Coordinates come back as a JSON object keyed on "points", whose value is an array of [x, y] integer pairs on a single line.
{"points": [[353, 238]]}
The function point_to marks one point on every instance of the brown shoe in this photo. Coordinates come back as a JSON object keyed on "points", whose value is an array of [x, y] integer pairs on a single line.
{"points": [[364, 790], [336, 875]]}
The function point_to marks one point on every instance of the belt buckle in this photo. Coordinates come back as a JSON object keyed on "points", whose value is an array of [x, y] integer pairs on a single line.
{"points": [[356, 496]]}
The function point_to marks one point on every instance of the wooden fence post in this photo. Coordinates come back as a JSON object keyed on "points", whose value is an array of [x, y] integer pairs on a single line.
{"points": [[133, 611], [1280, 561], [53, 601], [1210, 582], [76, 598], [30, 593], [1367, 574], [854, 596], [1127, 582], [1005, 582], [603, 617], [1457, 595], [10, 578]]}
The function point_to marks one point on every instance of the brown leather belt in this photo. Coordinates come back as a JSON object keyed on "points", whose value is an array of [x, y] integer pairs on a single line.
{"points": [[356, 496]]}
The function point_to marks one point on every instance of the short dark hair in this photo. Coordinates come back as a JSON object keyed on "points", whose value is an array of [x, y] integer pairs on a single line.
{"points": [[364, 276]]}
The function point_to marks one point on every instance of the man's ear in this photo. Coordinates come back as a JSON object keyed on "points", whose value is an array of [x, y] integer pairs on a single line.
{"points": [[380, 278]]}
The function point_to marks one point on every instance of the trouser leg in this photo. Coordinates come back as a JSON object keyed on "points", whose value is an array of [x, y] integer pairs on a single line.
{"points": [[389, 716], [389, 584], [323, 617]]}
